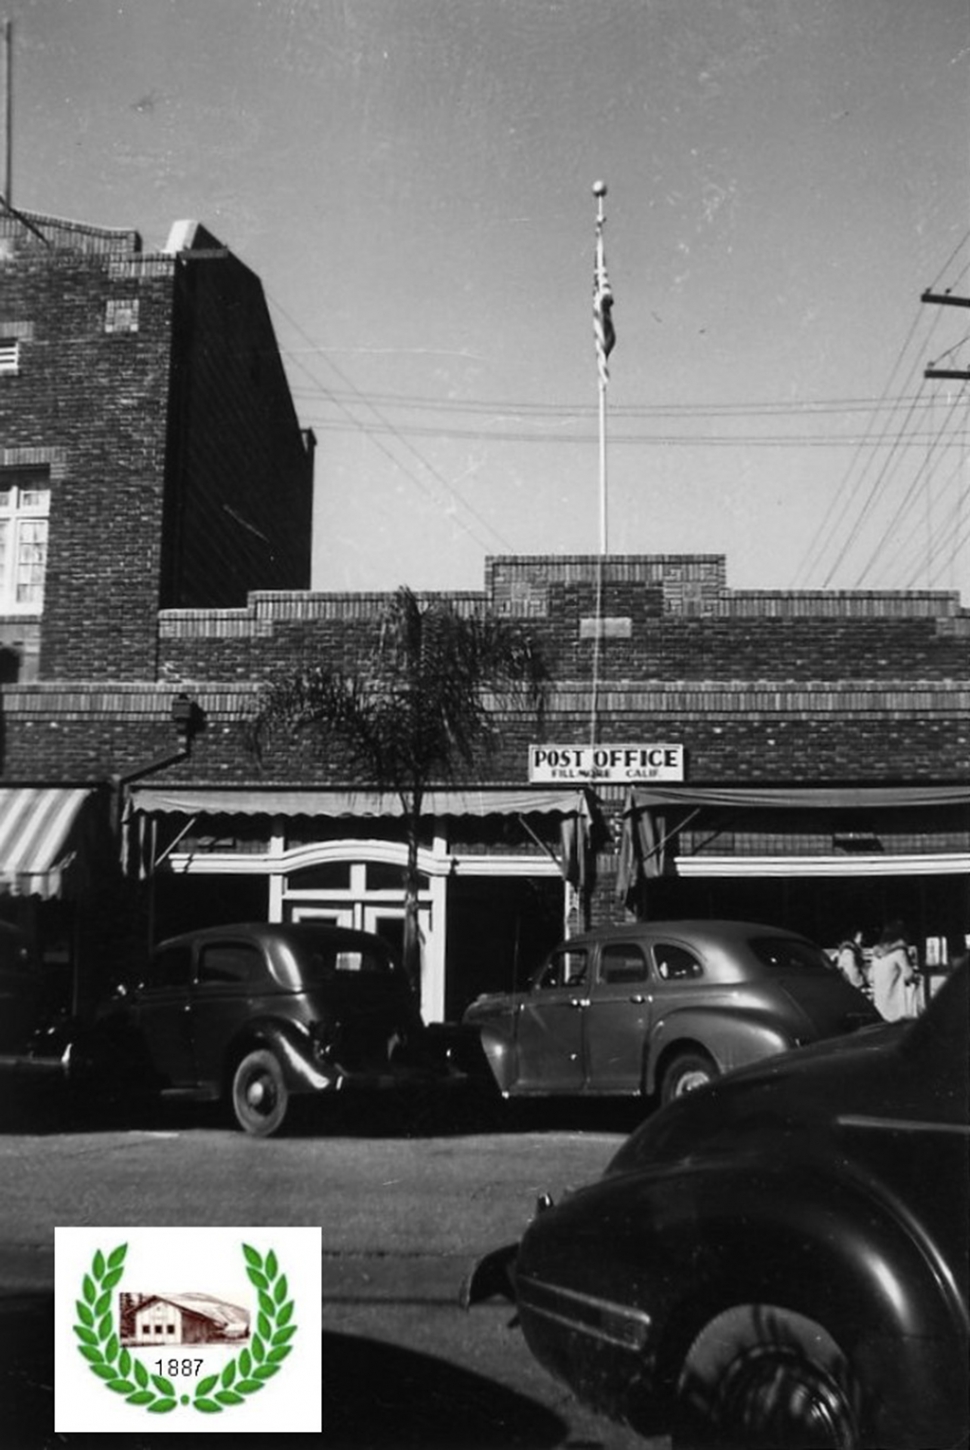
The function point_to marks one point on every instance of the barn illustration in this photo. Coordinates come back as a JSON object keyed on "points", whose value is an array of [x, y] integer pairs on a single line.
{"points": [[158, 1320]]}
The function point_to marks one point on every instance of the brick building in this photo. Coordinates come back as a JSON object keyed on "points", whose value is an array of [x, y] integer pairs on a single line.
{"points": [[817, 763], [150, 457]]}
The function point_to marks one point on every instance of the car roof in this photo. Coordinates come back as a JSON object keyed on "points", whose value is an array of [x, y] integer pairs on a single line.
{"points": [[267, 931], [698, 929]]}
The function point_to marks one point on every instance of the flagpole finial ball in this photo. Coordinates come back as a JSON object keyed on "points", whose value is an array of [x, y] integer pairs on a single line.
{"points": [[599, 188]]}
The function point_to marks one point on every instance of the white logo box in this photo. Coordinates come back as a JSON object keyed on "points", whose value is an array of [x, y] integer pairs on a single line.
{"points": [[202, 1314]]}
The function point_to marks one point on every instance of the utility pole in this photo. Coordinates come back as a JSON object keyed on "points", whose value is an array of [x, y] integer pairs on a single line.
{"points": [[8, 111], [946, 299]]}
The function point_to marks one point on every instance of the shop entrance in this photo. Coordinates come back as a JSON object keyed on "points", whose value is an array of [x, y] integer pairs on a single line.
{"points": [[499, 930], [361, 895]]}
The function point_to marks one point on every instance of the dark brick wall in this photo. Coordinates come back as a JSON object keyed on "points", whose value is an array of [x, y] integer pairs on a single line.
{"points": [[151, 390], [41, 745], [241, 475]]}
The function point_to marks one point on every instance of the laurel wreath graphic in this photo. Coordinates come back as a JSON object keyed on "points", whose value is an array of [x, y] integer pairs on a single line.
{"points": [[126, 1375]]}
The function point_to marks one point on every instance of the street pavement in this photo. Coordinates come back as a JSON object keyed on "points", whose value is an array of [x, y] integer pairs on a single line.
{"points": [[403, 1219]]}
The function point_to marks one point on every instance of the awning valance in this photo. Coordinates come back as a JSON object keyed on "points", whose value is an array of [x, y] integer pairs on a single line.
{"points": [[35, 824], [353, 803], [803, 797]]}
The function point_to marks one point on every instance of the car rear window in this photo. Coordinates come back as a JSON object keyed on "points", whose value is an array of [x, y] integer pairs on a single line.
{"points": [[321, 958], [788, 954]]}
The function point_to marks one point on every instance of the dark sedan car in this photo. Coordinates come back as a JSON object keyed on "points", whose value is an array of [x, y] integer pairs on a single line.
{"points": [[780, 1260], [662, 1006], [257, 1012]]}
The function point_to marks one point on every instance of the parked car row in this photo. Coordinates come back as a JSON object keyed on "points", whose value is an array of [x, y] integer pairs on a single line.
{"points": [[257, 1014], [777, 1257]]}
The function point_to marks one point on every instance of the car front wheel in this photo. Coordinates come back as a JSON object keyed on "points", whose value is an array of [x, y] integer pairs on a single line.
{"points": [[685, 1074], [259, 1094], [761, 1377]]}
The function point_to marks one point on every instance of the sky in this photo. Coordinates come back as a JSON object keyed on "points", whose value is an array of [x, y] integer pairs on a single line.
{"points": [[412, 182]]}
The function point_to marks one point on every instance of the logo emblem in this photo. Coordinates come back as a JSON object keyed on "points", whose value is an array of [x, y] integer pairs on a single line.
{"points": [[110, 1324]]}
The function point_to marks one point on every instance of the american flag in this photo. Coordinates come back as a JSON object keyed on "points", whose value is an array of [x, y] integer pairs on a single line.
{"points": [[603, 329]]}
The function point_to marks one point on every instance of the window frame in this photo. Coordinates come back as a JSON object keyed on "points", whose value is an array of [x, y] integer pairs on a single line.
{"points": [[9, 355], [24, 503]]}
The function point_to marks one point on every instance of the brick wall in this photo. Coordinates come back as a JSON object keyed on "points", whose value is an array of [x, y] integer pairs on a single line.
{"points": [[151, 393], [241, 471], [92, 403], [793, 697]]}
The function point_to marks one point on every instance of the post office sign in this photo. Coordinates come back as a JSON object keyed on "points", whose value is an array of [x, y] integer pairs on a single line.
{"points": [[554, 764]]}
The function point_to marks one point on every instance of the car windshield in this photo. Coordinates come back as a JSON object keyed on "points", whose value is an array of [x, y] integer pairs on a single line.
{"points": [[789, 954]]}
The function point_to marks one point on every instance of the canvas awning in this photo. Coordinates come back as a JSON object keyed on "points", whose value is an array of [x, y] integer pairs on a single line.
{"points": [[803, 797], [353, 803], [653, 819], [35, 826]]}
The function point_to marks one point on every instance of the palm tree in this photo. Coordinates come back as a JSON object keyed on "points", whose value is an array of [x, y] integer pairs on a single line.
{"points": [[417, 712]]}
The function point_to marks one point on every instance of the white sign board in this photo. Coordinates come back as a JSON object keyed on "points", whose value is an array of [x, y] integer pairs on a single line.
{"points": [[553, 764]]}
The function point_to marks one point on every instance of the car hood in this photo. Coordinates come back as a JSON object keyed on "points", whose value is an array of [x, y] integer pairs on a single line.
{"points": [[873, 1074], [490, 1004]]}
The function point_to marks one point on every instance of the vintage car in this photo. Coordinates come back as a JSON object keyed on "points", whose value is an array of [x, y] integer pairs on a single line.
{"points": [[778, 1260], [662, 1007], [257, 1013]]}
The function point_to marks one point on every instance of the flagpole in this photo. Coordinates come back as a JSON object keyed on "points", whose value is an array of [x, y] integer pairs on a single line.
{"points": [[605, 337], [599, 191]]}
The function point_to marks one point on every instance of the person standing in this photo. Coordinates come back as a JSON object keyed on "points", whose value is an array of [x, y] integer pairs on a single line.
{"points": [[893, 975], [851, 962]]}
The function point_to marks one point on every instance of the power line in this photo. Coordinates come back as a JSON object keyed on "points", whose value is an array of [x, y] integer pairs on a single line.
{"points": [[362, 399], [907, 503], [834, 517], [665, 440], [413, 403], [949, 535]]}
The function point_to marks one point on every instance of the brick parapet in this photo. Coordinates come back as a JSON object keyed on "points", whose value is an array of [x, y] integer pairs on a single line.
{"points": [[733, 732]]}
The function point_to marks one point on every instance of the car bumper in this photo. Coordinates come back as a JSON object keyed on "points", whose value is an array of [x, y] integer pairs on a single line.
{"points": [[28, 1065], [604, 1349]]}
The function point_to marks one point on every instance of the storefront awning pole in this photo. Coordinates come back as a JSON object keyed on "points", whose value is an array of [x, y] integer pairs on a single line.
{"points": [[543, 845]]}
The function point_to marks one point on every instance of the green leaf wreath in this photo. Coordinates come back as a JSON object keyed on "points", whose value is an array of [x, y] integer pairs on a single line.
{"points": [[126, 1375]]}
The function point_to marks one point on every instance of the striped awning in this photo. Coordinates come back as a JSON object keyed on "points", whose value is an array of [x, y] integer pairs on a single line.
{"points": [[35, 826]]}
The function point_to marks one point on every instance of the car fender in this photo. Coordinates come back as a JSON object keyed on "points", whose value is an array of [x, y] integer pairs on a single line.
{"points": [[500, 1049], [733, 1038], [833, 1249], [837, 1252], [291, 1044], [861, 1258]]}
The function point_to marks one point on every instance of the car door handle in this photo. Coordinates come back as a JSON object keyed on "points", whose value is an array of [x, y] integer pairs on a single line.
{"points": [[639, 998], [579, 1001]]}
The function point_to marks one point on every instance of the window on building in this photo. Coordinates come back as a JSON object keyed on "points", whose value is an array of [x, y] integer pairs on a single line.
{"points": [[9, 354], [121, 315], [24, 509]]}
